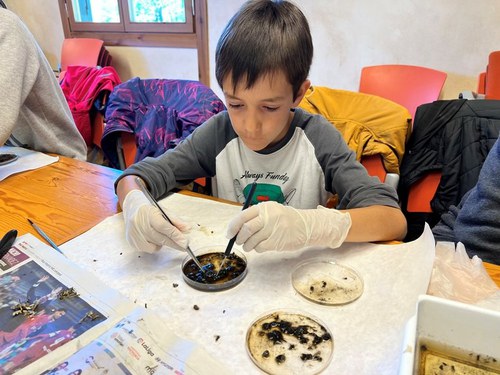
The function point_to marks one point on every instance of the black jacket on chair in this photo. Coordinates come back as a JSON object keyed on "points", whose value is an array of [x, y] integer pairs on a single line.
{"points": [[454, 137]]}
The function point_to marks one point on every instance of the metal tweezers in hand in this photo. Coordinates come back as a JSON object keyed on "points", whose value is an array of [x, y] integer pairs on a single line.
{"points": [[232, 240], [155, 203]]}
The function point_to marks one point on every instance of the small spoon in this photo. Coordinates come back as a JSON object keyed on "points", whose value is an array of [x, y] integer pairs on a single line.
{"points": [[7, 241]]}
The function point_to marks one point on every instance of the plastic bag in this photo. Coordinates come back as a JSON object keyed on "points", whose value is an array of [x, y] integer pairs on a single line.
{"points": [[456, 276], [492, 302]]}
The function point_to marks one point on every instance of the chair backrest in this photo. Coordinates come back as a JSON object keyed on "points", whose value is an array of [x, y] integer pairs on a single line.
{"points": [[492, 79], [481, 83], [81, 52], [407, 85]]}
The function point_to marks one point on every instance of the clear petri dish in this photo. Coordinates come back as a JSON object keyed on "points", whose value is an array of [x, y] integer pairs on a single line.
{"points": [[289, 342], [327, 282], [214, 278]]}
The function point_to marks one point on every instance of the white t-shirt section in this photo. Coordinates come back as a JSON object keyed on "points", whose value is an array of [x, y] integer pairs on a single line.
{"points": [[294, 179]]}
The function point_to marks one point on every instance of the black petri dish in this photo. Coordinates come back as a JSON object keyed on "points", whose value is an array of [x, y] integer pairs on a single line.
{"points": [[212, 277]]}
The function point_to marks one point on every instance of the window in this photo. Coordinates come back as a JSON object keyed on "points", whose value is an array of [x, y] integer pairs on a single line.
{"points": [[153, 23], [130, 16]]}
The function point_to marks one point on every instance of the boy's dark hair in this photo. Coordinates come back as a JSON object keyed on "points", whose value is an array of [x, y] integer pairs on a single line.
{"points": [[264, 37]]}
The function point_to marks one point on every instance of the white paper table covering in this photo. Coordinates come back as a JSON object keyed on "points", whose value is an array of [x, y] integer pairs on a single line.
{"points": [[27, 160], [368, 333]]}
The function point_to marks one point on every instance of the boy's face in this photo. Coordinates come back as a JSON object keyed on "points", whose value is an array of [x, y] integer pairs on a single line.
{"points": [[261, 114]]}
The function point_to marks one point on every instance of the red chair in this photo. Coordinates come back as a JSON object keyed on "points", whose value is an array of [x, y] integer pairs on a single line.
{"points": [[421, 192], [481, 83], [492, 77], [407, 85], [410, 86], [81, 51], [129, 149]]}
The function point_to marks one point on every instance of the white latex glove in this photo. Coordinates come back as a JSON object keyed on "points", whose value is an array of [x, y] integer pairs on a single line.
{"points": [[145, 227], [272, 226]]}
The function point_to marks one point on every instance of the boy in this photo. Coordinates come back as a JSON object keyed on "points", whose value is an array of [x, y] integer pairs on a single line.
{"points": [[299, 160]]}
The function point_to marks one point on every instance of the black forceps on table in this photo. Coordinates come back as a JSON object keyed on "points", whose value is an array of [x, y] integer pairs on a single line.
{"points": [[232, 240], [153, 201], [7, 241]]}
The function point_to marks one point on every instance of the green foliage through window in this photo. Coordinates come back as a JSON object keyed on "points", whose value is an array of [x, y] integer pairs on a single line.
{"points": [[141, 11], [157, 11]]}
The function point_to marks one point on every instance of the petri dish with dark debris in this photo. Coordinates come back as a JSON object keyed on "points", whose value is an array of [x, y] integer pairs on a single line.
{"points": [[289, 342], [327, 282], [213, 278]]}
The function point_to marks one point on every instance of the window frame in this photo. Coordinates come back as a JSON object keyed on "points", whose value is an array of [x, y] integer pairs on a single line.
{"points": [[192, 34]]}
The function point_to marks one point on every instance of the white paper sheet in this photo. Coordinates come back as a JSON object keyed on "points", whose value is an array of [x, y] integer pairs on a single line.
{"points": [[27, 160], [368, 333]]}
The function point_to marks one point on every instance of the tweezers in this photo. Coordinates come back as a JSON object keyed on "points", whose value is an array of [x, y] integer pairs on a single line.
{"points": [[7, 241], [155, 203], [232, 240]]}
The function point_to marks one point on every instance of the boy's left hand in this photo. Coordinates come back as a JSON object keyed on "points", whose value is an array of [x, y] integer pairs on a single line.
{"points": [[272, 226]]}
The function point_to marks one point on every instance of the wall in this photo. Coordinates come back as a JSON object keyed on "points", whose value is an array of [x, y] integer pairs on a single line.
{"points": [[447, 35]]}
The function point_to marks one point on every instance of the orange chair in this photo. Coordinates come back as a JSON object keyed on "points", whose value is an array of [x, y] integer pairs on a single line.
{"points": [[407, 85], [492, 78], [421, 192], [481, 83], [129, 149], [81, 51], [374, 165], [410, 86]]}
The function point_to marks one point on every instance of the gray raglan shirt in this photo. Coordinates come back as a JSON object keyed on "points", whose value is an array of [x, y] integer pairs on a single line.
{"points": [[34, 112], [310, 164]]}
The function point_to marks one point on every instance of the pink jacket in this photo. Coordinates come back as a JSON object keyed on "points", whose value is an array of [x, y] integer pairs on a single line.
{"points": [[81, 86]]}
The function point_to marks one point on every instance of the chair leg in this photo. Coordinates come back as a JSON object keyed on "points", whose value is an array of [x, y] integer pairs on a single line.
{"points": [[119, 152]]}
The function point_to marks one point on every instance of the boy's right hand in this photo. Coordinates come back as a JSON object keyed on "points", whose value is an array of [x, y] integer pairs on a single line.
{"points": [[145, 227]]}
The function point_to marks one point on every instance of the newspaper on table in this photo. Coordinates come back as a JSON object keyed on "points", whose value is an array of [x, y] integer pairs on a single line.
{"points": [[56, 318]]}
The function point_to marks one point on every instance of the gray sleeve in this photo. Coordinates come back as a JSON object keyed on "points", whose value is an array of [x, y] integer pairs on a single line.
{"points": [[35, 112], [477, 224], [344, 175], [444, 229], [193, 158], [13, 75]]}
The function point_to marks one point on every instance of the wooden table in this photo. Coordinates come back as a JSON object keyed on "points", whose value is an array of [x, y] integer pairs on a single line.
{"points": [[68, 198], [64, 199], [494, 272]]}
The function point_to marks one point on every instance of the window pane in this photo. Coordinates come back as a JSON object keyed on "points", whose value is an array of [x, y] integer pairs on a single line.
{"points": [[102, 11], [157, 11]]}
